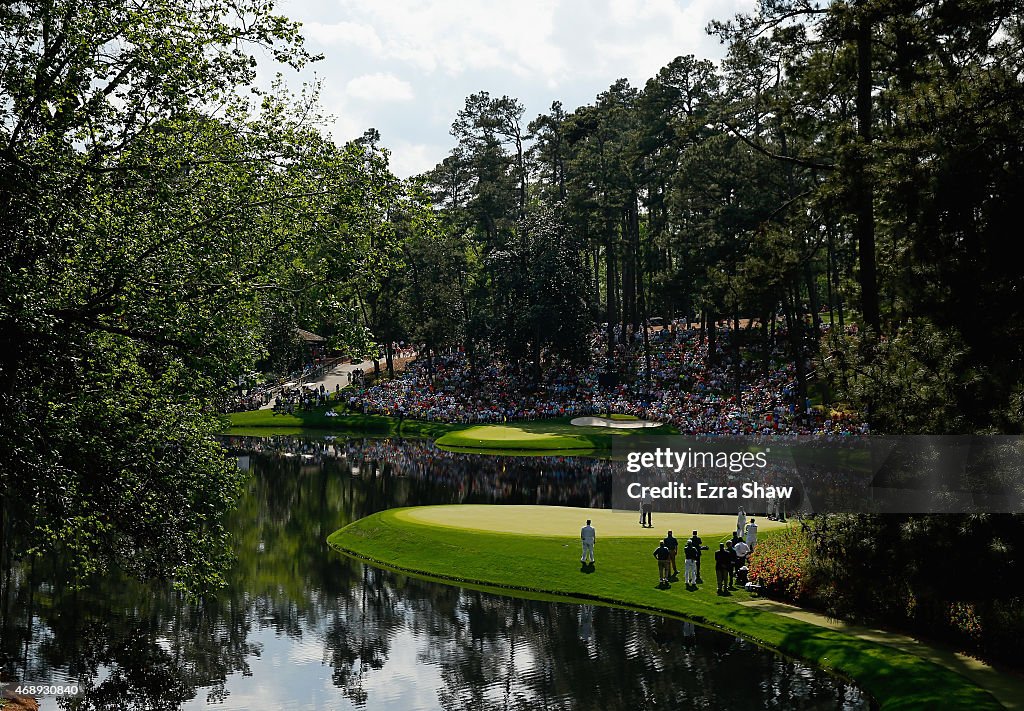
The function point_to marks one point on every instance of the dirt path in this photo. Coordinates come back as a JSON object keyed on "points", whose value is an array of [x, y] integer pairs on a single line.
{"points": [[1006, 686]]}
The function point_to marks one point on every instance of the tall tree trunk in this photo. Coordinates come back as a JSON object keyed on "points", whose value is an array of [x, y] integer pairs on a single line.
{"points": [[643, 325], [812, 297], [633, 224], [735, 338], [4, 558], [794, 324], [766, 346], [712, 333], [864, 193], [469, 341], [829, 266], [628, 279], [609, 269]]}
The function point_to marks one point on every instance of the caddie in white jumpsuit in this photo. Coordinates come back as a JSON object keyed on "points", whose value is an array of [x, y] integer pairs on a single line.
{"points": [[752, 534], [588, 536]]}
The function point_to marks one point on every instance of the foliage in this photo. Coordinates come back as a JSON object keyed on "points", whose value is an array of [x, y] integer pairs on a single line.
{"points": [[934, 574], [779, 564], [147, 215], [539, 281]]}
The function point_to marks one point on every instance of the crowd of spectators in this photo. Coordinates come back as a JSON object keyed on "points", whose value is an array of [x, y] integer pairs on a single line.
{"points": [[293, 398], [696, 391], [253, 399]]}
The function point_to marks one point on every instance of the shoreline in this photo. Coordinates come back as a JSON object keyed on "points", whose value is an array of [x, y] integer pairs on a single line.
{"points": [[532, 565]]}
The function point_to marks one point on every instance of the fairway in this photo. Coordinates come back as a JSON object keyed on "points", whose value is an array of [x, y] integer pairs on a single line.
{"points": [[567, 520]]}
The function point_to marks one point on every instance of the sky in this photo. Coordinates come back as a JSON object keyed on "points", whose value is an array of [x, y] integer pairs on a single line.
{"points": [[405, 67]]}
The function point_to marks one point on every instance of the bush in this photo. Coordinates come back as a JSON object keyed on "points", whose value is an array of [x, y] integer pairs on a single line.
{"points": [[779, 562], [930, 575]]}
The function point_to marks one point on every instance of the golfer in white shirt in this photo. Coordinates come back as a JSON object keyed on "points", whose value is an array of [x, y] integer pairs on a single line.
{"points": [[742, 549], [751, 534], [588, 536]]}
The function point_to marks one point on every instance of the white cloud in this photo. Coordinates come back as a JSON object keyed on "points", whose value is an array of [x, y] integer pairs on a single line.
{"points": [[409, 158], [406, 66], [454, 36], [338, 33], [379, 86]]}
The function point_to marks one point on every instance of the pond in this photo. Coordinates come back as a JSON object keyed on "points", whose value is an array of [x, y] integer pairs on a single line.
{"points": [[302, 627]]}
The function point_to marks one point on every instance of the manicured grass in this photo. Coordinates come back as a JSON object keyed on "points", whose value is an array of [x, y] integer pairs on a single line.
{"points": [[269, 422], [625, 576], [516, 437], [554, 434], [556, 520], [624, 418]]}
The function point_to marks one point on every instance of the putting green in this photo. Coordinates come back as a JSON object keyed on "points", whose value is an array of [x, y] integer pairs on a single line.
{"points": [[515, 437], [566, 520], [540, 436]]}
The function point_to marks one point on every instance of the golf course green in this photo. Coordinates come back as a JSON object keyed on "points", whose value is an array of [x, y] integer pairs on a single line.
{"points": [[539, 435], [474, 548], [552, 436]]}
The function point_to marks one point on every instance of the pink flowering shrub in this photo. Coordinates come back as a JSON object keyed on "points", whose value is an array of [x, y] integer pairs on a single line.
{"points": [[963, 617], [779, 564]]}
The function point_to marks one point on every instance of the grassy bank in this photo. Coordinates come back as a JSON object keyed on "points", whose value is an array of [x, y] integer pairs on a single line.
{"points": [[269, 422], [625, 575]]}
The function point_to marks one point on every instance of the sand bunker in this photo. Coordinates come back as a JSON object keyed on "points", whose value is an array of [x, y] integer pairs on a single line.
{"points": [[617, 424]]}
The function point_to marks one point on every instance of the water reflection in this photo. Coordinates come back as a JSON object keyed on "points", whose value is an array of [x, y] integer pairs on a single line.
{"points": [[411, 472], [300, 627]]}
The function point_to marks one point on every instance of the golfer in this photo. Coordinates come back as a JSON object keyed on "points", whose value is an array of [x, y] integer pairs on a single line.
{"points": [[646, 508], [752, 534], [588, 536]]}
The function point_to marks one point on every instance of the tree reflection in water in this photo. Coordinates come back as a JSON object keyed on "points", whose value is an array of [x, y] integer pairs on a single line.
{"points": [[388, 641]]}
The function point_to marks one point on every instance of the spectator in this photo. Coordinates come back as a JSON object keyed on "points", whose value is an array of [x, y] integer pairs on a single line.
{"points": [[723, 564], [662, 555]]}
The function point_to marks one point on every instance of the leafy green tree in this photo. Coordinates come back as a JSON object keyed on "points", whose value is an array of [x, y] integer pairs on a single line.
{"points": [[141, 236], [542, 282]]}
